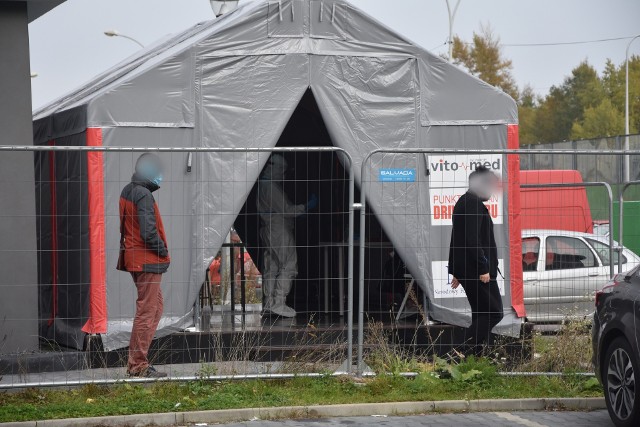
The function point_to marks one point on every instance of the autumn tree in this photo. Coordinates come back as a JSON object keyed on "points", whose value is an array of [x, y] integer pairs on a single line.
{"points": [[528, 104], [484, 59], [613, 80], [565, 104], [602, 120], [585, 105]]}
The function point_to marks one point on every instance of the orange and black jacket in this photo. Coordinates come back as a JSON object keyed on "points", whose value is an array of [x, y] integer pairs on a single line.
{"points": [[144, 242]]}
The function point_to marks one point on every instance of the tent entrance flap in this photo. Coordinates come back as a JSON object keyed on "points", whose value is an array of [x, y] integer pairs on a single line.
{"points": [[318, 233], [321, 260]]}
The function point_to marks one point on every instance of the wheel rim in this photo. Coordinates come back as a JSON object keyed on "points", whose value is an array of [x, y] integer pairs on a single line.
{"points": [[621, 384]]}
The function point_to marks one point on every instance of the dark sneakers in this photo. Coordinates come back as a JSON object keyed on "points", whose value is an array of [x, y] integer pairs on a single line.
{"points": [[150, 372]]}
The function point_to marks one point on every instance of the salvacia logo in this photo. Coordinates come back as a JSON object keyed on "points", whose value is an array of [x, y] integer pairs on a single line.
{"points": [[397, 175]]}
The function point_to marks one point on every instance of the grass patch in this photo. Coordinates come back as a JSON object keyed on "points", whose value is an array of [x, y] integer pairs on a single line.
{"points": [[569, 350], [472, 379]]}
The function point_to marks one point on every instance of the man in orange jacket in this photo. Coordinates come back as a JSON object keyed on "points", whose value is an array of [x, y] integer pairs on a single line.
{"points": [[144, 254]]}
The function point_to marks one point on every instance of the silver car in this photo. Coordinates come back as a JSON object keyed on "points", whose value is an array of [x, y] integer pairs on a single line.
{"points": [[562, 272]]}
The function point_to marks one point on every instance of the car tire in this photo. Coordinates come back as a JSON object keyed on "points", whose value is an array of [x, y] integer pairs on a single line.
{"points": [[619, 369]]}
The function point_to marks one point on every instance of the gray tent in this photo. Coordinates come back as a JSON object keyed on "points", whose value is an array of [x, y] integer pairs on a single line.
{"points": [[235, 82]]}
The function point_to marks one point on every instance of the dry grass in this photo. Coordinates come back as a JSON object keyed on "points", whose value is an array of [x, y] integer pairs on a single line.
{"points": [[385, 354], [316, 351], [567, 351]]}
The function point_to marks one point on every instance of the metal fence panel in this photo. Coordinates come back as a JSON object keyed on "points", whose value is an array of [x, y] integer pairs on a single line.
{"points": [[216, 329], [563, 268]]}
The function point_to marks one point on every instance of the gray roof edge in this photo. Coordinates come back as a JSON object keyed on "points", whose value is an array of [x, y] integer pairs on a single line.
{"points": [[83, 93], [191, 36], [35, 9]]}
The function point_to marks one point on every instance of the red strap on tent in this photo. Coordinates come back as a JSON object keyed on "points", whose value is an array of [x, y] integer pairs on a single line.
{"points": [[515, 228], [97, 323], [54, 234]]}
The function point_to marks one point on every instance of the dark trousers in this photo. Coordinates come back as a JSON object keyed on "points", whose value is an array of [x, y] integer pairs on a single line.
{"points": [[486, 312]]}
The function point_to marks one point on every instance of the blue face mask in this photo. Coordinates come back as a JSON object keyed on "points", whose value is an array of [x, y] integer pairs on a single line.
{"points": [[158, 180], [151, 173]]}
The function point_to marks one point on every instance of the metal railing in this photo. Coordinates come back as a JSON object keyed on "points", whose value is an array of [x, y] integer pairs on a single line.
{"points": [[616, 154], [340, 155], [366, 169]]}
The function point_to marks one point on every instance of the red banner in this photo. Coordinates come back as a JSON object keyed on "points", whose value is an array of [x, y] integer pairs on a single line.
{"points": [[97, 323], [515, 228]]}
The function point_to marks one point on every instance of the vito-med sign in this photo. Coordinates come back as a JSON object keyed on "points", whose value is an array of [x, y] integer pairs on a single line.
{"points": [[449, 179]]}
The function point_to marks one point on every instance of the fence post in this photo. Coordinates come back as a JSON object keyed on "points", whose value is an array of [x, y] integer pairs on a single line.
{"points": [[352, 207], [363, 218]]}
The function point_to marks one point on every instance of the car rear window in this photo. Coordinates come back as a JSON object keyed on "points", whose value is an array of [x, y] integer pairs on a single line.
{"points": [[602, 249], [530, 253], [568, 253]]}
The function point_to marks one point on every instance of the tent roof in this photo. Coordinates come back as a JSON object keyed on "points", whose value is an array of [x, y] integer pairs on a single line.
{"points": [[166, 72]]}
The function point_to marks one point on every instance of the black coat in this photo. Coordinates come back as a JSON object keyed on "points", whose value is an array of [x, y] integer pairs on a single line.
{"points": [[473, 250]]}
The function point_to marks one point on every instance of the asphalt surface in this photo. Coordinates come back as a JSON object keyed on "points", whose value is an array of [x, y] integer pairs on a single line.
{"points": [[488, 419]]}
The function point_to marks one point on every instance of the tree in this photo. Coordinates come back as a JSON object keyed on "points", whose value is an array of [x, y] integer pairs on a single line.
{"points": [[582, 90], [603, 120], [483, 58], [551, 124], [566, 104], [527, 115], [585, 105], [613, 79]]}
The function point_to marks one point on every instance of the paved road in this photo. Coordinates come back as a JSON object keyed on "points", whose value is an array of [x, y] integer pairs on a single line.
{"points": [[489, 419]]}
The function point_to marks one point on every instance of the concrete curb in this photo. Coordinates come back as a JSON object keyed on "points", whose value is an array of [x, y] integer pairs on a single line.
{"points": [[329, 411]]}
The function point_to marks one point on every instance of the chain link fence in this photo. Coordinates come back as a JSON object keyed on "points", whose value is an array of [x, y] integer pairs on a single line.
{"points": [[609, 169], [391, 260]]}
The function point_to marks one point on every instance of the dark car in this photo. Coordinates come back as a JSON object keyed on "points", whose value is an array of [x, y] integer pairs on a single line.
{"points": [[616, 350]]}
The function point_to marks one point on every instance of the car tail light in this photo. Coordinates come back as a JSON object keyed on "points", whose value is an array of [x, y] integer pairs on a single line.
{"points": [[606, 290], [598, 295]]}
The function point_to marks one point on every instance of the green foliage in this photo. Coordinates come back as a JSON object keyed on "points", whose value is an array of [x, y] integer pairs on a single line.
{"points": [[568, 351], [592, 384], [527, 112], [483, 58], [471, 371], [206, 371], [586, 104], [603, 120], [614, 83]]}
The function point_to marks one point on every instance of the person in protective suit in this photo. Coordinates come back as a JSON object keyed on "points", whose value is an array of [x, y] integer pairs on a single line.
{"points": [[277, 224], [143, 253]]}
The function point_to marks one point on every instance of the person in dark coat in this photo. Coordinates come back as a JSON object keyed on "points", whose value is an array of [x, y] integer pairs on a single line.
{"points": [[473, 258], [144, 253]]}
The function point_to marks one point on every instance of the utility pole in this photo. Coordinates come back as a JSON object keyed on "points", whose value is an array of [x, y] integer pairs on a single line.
{"points": [[452, 17], [627, 163]]}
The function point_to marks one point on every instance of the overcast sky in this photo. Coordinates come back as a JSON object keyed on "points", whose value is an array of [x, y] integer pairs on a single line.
{"points": [[68, 46]]}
